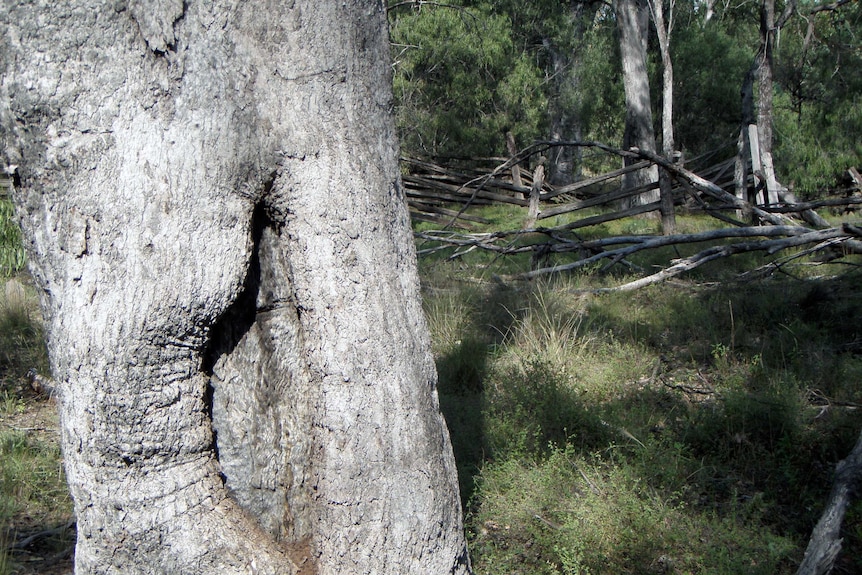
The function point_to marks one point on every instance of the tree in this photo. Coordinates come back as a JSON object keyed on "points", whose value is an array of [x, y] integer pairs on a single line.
{"points": [[663, 32], [633, 26], [209, 194], [759, 135], [552, 34], [818, 111]]}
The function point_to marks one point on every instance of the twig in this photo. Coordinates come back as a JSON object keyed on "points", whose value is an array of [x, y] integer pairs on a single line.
{"points": [[550, 524]]}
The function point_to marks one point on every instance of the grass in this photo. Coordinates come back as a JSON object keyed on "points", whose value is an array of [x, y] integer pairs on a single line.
{"points": [[12, 256], [33, 493], [691, 427]]}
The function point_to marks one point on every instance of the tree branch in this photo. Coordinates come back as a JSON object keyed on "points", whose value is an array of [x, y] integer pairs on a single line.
{"points": [[825, 543]]}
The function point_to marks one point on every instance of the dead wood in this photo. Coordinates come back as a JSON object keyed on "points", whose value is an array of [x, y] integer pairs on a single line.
{"points": [[825, 543], [455, 192], [639, 243], [782, 233], [516, 169], [596, 201], [424, 208], [439, 219], [594, 181], [535, 191], [609, 217]]}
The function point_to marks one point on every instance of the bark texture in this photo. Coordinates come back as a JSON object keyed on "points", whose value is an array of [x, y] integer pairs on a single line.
{"points": [[210, 195], [663, 32], [825, 543], [632, 26]]}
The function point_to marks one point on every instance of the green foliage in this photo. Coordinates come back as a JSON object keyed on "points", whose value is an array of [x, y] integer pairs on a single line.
{"points": [[818, 114], [813, 148], [31, 473], [678, 429], [12, 258], [33, 492], [600, 97], [709, 65], [467, 72], [460, 83]]}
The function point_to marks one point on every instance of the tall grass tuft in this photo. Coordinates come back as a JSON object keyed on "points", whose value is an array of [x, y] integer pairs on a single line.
{"points": [[22, 344], [686, 428]]}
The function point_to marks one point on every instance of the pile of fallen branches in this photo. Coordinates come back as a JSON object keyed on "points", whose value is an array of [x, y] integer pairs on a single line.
{"points": [[774, 232]]}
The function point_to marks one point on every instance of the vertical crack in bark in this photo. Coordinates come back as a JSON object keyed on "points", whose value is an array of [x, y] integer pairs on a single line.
{"points": [[238, 318], [258, 398], [235, 322]]}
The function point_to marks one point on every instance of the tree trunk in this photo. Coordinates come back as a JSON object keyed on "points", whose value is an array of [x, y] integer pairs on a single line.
{"points": [[663, 31], [565, 123], [825, 543], [632, 25], [210, 197], [760, 147], [512, 148], [764, 98]]}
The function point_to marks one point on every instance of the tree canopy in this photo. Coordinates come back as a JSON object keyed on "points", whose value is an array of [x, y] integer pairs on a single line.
{"points": [[468, 71]]}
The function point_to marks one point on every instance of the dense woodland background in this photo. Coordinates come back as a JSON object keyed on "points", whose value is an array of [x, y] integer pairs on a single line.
{"points": [[466, 73]]}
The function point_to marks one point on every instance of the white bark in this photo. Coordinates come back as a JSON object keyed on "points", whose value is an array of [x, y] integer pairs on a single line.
{"points": [[211, 199], [632, 24], [663, 32]]}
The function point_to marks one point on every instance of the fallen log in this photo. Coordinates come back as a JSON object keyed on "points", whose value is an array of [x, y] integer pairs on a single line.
{"points": [[439, 210], [797, 236], [438, 219], [590, 182], [596, 201], [456, 192], [825, 543]]}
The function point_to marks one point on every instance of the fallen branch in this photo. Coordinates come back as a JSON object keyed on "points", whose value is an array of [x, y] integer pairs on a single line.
{"points": [[781, 238], [782, 234], [59, 530], [825, 543], [713, 253], [799, 236]]}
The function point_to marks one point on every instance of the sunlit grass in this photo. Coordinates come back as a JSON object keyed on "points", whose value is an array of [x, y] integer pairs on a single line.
{"points": [[22, 344], [682, 428]]}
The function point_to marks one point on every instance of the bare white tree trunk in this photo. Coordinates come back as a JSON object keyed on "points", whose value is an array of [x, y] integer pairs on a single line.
{"points": [[633, 25], [664, 28], [211, 199]]}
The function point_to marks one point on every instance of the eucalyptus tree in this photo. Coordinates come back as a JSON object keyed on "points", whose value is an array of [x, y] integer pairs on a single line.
{"points": [[633, 28], [554, 34], [209, 194]]}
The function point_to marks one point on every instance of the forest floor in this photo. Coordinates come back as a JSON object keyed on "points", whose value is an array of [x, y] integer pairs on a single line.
{"points": [[687, 427]]}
